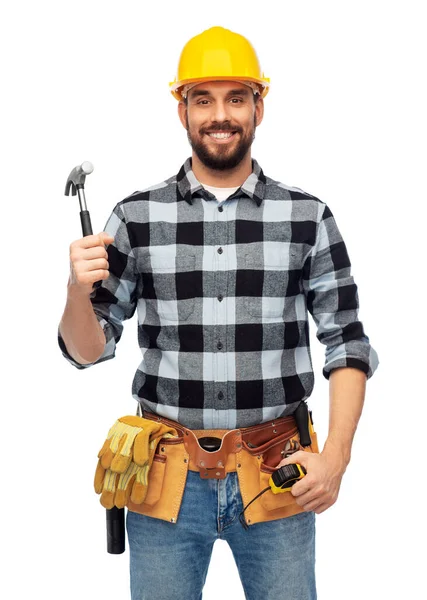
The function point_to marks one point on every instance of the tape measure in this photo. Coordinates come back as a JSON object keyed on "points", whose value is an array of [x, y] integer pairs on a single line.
{"points": [[284, 478]]}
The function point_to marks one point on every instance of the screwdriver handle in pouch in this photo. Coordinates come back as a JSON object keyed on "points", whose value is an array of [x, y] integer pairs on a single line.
{"points": [[301, 418]]}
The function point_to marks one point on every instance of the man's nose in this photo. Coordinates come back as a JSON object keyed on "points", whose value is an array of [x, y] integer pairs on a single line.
{"points": [[220, 112]]}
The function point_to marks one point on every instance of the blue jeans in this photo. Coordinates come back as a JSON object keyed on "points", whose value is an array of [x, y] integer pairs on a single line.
{"points": [[275, 559]]}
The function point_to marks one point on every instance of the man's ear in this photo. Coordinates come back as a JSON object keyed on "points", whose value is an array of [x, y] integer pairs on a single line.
{"points": [[259, 111], [182, 113]]}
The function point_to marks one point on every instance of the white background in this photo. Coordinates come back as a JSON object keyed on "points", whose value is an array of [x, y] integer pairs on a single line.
{"points": [[345, 121]]}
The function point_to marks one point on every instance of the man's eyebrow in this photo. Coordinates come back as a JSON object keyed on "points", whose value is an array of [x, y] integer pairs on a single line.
{"points": [[242, 91], [200, 93]]}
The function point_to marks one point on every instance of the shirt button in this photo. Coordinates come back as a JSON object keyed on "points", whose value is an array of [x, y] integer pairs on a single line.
{"points": [[219, 345], [219, 250], [220, 395], [220, 297], [220, 208]]}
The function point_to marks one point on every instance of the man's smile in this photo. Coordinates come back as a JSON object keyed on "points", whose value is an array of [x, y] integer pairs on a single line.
{"points": [[221, 137]]}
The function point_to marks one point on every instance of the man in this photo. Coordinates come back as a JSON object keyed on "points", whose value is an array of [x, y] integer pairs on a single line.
{"points": [[222, 264]]}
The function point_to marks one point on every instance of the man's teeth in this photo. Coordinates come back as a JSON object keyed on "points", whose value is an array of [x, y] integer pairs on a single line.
{"points": [[221, 136]]}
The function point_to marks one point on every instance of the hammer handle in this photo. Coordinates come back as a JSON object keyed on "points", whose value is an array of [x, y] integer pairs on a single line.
{"points": [[86, 224]]}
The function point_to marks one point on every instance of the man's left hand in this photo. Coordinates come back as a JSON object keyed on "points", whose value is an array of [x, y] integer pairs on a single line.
{"points": [[318, 490]]}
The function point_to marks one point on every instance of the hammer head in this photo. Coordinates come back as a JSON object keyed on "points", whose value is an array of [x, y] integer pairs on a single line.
{"points": [[78, 177]]}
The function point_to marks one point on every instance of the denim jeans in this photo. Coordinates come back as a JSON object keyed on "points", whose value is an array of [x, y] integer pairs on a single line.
{"points": [[169, 561]]}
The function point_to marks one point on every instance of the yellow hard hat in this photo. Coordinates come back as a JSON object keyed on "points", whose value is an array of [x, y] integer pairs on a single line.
{"points": [[218, 54]]}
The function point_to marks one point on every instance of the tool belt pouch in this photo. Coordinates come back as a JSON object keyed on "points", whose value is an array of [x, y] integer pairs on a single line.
{"points": [[173, 458], [263, 448], [166, 479]]}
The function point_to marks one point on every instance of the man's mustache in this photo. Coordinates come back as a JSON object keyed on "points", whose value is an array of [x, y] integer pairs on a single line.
{"points": [[221, 127]]}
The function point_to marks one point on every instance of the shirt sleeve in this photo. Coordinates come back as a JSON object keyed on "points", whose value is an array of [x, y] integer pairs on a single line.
{"points": [[114, 300], [333, 302]]}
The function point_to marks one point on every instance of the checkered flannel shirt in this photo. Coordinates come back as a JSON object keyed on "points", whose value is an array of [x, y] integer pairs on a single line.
{"points": [[222, 292]]}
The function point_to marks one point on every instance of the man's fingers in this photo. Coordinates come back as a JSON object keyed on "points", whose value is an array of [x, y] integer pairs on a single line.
{"points": [[80, 257], [91, 253], [106, 238], [99, 274], [91, 241], [299, 457], [321, 508], [301, 487], [98, 263], [91, 277], [316, 505]]}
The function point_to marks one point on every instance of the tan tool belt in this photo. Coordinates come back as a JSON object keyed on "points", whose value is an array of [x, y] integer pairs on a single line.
{"points": [[253, 452]]}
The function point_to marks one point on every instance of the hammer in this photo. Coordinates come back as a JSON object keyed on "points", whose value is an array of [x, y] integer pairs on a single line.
{"points": [[115, 516], [76, 181]]}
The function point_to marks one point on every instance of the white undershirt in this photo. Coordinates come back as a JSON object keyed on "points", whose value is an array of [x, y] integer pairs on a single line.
{"points": [[220, 193]]}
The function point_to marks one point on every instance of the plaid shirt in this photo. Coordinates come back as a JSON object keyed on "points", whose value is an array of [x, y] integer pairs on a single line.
{"points": [[222, 292]]}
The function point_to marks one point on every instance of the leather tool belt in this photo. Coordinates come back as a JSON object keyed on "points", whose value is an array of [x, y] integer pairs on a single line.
{"points": [[253, 452]]}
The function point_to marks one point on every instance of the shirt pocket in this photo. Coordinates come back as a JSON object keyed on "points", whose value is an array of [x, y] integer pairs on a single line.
{"points": [[172, 287], [267, 283]]}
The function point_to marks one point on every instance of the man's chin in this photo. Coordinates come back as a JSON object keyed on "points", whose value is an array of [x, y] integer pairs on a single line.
{"points": [[222, 158], [220, 164]]}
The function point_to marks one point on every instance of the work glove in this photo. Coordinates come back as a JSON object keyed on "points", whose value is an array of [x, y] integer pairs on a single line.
{"points": [[117, 488], [125, 460], [128, 440]]}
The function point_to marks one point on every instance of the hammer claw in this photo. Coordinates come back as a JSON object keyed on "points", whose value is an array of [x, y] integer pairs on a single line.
{"points": [[69, 185]]}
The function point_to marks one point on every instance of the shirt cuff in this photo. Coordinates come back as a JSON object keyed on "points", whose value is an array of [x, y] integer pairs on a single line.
{"points": [[348, 361]]}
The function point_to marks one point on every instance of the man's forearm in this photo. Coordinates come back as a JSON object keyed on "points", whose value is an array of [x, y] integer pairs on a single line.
{"points": [[82, 334], [319, 489], [346, 398]]}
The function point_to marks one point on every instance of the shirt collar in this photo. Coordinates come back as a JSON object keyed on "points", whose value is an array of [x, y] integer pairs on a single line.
{"points": [[189, 186]]}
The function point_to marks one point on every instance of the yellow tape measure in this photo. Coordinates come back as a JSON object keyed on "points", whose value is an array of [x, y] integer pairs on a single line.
{"points": [[284, 478]]}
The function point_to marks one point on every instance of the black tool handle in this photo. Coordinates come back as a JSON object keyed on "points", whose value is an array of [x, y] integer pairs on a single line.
{"points": [[115, 530], [86, 224], [301, 418]]}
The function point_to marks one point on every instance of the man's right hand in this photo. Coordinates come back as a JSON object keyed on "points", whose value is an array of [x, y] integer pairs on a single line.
{"points": [[89, 261]]}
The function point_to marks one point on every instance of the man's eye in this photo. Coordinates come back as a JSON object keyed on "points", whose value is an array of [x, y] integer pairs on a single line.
{"points": [[203, 101], [236, 100]]}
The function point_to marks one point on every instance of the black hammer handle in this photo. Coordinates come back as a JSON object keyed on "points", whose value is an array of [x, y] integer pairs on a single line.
{"points": [[86, 224]]}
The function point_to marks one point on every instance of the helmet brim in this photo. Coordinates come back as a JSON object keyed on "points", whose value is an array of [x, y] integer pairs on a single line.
{"points": [[176, 86]]}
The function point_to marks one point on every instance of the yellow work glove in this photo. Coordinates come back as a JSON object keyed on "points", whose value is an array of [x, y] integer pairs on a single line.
{"points": [[128, 440], [125, 460], [117, 488]]}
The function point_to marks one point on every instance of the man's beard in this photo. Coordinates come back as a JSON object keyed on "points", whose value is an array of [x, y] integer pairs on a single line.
{"points": [[221, 158]]}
